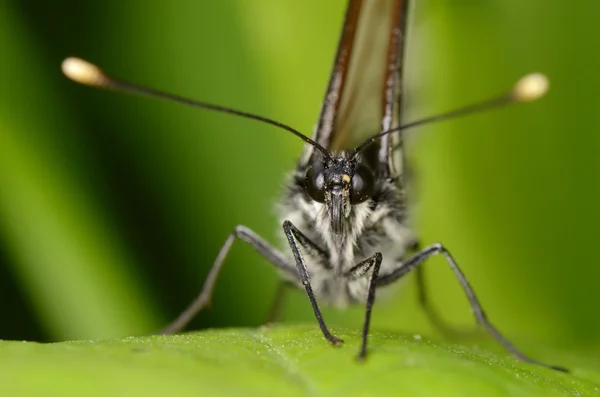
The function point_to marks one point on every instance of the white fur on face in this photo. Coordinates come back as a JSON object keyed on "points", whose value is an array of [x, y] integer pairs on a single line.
{"points": [[370, 228]]}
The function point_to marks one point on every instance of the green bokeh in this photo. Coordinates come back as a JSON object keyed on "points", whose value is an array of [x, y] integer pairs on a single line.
{"points": [[113, 207]]}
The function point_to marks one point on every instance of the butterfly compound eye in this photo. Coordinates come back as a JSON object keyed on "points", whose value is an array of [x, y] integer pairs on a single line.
{"points": [[314, 183], [363, 185]]}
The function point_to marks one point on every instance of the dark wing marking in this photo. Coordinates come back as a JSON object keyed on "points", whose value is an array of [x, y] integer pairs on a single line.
{"points": [[364, 86]]}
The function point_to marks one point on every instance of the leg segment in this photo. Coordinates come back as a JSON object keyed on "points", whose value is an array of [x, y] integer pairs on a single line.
{"points": [[358, 271], [202, 300], [277, 306], [416, 260], [295, 237], [434, 317]]}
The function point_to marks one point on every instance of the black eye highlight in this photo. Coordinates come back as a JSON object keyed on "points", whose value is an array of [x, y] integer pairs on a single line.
{"points": [[363, 185], [314, 183]]}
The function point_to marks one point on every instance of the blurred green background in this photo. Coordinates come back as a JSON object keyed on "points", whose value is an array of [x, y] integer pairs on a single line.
{"points": [[113, 207]]}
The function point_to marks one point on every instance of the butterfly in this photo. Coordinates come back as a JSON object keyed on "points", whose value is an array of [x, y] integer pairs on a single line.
{"points": [[344, 210]]}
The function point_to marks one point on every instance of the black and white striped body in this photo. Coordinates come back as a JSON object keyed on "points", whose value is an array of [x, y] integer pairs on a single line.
{"points": [[378, 225]]}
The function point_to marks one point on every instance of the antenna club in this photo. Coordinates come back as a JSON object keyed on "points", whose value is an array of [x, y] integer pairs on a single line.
{"points": [[83, 72], [531, 87]]}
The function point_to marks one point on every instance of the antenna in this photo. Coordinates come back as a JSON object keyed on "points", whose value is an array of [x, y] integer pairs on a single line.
{"points": [[84, 72], [527, 89]]}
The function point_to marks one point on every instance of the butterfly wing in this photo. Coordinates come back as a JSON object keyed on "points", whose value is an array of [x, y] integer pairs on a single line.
{"points": [[363, 94]]}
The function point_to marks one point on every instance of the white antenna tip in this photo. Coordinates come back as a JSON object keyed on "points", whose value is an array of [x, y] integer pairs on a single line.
{"points": [[531, 87], [82, 71]]}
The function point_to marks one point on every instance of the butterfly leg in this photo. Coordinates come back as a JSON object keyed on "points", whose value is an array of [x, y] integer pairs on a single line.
{"points": [[357, 272], [295, 238], [276, 310], [203, 299], [433, 315], [417, 259]]}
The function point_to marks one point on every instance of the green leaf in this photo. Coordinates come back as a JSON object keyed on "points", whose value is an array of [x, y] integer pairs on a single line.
{"points": [[283, 361]]}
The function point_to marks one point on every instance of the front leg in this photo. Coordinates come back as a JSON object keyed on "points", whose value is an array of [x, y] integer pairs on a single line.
{"points": [[296, 237], [360, 271]]}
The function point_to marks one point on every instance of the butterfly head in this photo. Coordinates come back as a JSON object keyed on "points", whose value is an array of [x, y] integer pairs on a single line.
{"points": [[339, 182]]}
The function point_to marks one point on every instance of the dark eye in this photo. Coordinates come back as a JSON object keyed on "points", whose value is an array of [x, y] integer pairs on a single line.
{"points": [[363, 185], [314, 183]]}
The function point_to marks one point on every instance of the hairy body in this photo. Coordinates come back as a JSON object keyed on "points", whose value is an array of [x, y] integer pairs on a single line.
{"points": [[379, 224]]}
